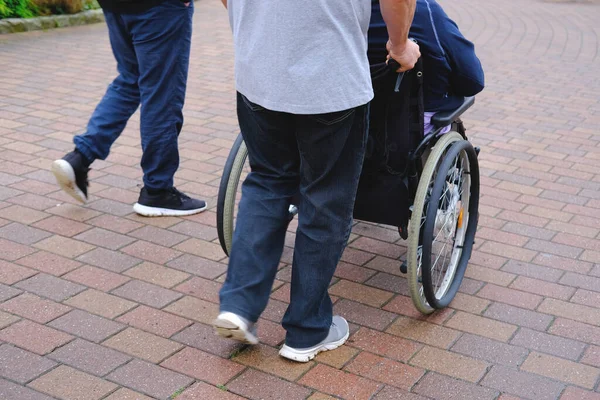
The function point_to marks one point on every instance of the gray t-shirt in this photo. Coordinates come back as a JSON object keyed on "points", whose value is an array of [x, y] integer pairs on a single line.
{"points": [[302, 56]]}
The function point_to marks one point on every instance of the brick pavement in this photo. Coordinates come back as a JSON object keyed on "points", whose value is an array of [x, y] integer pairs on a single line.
{"points": [[97, 303]]}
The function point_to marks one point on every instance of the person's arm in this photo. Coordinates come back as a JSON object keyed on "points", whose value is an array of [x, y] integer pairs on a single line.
{"points": [[467, 77], [398, 16]]}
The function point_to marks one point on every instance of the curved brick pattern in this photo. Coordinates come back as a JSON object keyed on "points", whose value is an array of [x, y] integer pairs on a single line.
{"points": [[97, 302]]}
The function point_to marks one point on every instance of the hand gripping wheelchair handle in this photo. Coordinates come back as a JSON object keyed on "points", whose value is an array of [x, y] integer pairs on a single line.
{"points": [[393, 65]]}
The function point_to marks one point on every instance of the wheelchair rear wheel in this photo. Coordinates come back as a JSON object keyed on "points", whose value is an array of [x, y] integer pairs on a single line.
{"points": [[443, 223], [235, 167]]}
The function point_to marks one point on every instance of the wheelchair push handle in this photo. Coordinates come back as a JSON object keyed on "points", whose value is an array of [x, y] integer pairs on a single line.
{"points": [[393, 64]]}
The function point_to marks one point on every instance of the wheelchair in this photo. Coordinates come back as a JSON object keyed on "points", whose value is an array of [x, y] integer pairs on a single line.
{"points": [[425, 186]]}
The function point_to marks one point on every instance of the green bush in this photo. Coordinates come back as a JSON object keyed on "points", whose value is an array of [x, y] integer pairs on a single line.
{"points": [[33, 8], [17, 9]]}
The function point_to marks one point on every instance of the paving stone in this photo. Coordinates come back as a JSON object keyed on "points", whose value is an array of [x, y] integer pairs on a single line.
{"points": [[11, 273], [403, 305], [151, 252], [549, 344], [203, 337], [208, 290], [588, 315], [69, 384], [7, 292], [127, 394], [257, 385], [364, 315], [267, 359], [562, 370], [104, 238], [202, 248], [86, 325], [20, 365], [201, 391], [522, 384], [442, 387], [10, 390], [449, 363], [158, 236], [510, 296], [89, 357], [64, 246], [335, 382], [110, 260], [7, 319], [149, 379], [574, 393], [196, 309], [146, 293], [201, 365], [96, 278], [22, 233], [157, 274], [22, 214], [384, 370], [100, 303], [50, 286], [62, 226], [142, 345], [519, 316], [384, 344], [114, 223], [34, 337], [196, 230], [198, 266], [11, 251], [423, 332], [155, 321], [49, 263], [34, 308], [491, 350], [592, 356], [360, 293]]}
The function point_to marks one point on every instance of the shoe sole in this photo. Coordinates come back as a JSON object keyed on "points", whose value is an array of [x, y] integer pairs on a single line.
{"points": [[65, 177], [230, 330], [307, 355], [163, 212]]}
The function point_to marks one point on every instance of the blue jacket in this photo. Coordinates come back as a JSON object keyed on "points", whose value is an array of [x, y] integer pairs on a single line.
{"points": [[451, 69]]}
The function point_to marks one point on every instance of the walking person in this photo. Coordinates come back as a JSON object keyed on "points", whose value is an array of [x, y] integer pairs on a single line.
{"points": [[150, 40], [304, 85]]}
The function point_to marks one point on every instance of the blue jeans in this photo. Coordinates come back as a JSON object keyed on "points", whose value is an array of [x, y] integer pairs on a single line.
{"points": [[319, 156], [152, 50]]}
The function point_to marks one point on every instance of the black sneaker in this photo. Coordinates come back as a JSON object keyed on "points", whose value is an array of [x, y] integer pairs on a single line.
{"points": [[170, 202], [71, 173]]}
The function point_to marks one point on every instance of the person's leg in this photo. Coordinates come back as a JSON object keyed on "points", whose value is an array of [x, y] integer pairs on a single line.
{"points": [[121, 100], [122, 97], [162, 38], [263, 216], [332, 148]]}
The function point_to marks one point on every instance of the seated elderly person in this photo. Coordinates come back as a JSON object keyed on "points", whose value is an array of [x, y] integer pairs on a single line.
{"points": [[451, 69]]}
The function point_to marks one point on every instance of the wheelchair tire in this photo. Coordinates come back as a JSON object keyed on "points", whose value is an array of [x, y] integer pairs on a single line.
{"points": [[226, 200], [449, 230], [418, 218]]}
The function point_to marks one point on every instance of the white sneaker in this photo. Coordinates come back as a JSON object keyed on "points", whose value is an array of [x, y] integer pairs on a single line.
{"points": [[338, 334], [230, 325]]}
